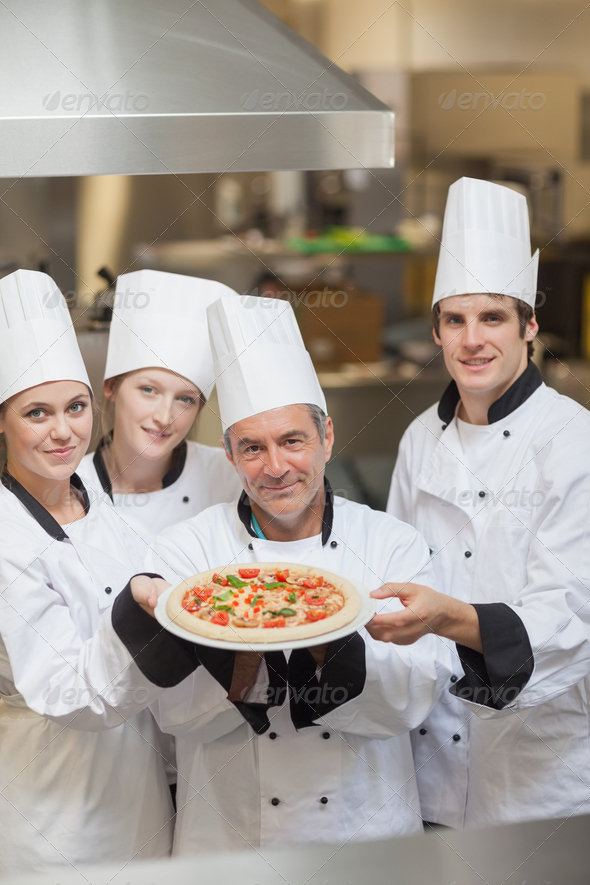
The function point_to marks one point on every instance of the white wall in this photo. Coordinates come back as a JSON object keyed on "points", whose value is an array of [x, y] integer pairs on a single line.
{"points": [[442, 34], [533, 34], [470, 36], [544, 33]]}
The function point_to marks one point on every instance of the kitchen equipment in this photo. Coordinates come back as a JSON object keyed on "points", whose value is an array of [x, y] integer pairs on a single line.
{"points": [[145, 87]]}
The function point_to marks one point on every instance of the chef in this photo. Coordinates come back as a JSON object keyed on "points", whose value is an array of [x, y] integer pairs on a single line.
{"points": [[496, 476], [81, 780], [310, 746], [158, 376]]}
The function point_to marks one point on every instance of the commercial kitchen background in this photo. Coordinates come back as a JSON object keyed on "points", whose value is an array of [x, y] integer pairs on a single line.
{"points": [[497, 90]]}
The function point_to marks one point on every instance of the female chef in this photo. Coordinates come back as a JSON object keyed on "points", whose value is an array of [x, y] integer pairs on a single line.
{"points": [[158, 374], [80, 780]]}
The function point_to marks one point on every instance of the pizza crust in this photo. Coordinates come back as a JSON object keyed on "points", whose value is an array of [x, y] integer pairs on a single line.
{"points": [[250, 635]]}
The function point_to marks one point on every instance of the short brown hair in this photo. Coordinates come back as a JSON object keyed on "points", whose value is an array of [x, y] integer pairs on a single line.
{"points": [[524, 314]]}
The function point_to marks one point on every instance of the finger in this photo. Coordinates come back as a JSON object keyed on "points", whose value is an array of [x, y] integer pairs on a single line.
{"points": [[381, 592], [139, 589], [392, 620], [386, 634], [407, 617], [147, 609], [397, 637], [386, 591], [161, 585]]}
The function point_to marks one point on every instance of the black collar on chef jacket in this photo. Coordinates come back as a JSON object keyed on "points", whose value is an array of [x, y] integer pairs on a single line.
{"points": [[103, 477], [245, 513], [518, 393], [38, 511]]}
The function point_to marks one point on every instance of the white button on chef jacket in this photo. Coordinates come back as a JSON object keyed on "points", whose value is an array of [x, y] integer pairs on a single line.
{"points": [[238, 789], [81, 779], [525, 543]]}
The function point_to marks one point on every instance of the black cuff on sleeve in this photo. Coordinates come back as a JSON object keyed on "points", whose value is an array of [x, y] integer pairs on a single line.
{"points": [[217, 662], [496, 677], [256, 715], [163, 658], [342, 679], [220, 664], [304, 688]]}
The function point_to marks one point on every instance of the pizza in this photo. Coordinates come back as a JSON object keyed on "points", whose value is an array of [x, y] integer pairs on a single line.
{"points": [[262, 602]]}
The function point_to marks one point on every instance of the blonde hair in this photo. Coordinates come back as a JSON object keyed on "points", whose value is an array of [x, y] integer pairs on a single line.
{"points": [[107, 408]]}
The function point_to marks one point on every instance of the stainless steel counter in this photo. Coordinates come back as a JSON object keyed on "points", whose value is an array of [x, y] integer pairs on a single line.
{"points": [[552, 852]]}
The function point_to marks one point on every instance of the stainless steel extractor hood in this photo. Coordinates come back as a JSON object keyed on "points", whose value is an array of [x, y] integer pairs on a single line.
{"points": [[169, 86]]}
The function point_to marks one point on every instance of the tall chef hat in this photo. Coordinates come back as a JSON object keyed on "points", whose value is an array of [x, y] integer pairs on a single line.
{"points": [[486, 244], [260, 360], [159, 319], [37, 339]]}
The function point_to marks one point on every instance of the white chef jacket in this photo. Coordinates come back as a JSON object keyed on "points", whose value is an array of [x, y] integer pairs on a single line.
{"points": [[350, 774], [80, 780], [525, 543], [201, 477]]}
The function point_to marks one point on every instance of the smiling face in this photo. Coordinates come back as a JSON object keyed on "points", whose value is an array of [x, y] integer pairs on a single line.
{"points": [[281, 459], [47, 430], [482, 342], [154, 410]]}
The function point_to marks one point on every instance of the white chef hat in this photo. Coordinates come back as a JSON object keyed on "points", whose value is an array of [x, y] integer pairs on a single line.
{"points": [[260, 359], [37, 339], [159, 319], [486, 244]]}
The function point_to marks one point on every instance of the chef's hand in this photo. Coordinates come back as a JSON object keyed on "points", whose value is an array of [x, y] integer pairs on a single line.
{"points": [[146, 591], [425, 611], [246, 667], [318, 653]]}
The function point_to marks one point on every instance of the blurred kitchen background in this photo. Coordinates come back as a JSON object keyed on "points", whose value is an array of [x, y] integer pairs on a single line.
{"points": [[482, 89]]}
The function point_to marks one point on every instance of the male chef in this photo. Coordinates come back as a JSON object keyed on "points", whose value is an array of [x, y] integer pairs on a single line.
{"points": [[496, 476], [310, 745]]}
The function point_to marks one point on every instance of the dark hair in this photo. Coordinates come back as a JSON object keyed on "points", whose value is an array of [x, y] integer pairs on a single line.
{"points": [[267, 276], [524, 314]]}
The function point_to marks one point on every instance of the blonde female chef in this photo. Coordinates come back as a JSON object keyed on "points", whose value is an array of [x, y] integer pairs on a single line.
{"points": [[80, 780], [158, 375]]}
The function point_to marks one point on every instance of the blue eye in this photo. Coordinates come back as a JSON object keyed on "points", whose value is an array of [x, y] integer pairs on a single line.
{"points": [[147, 389], [35, 413], [76, 408]]}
